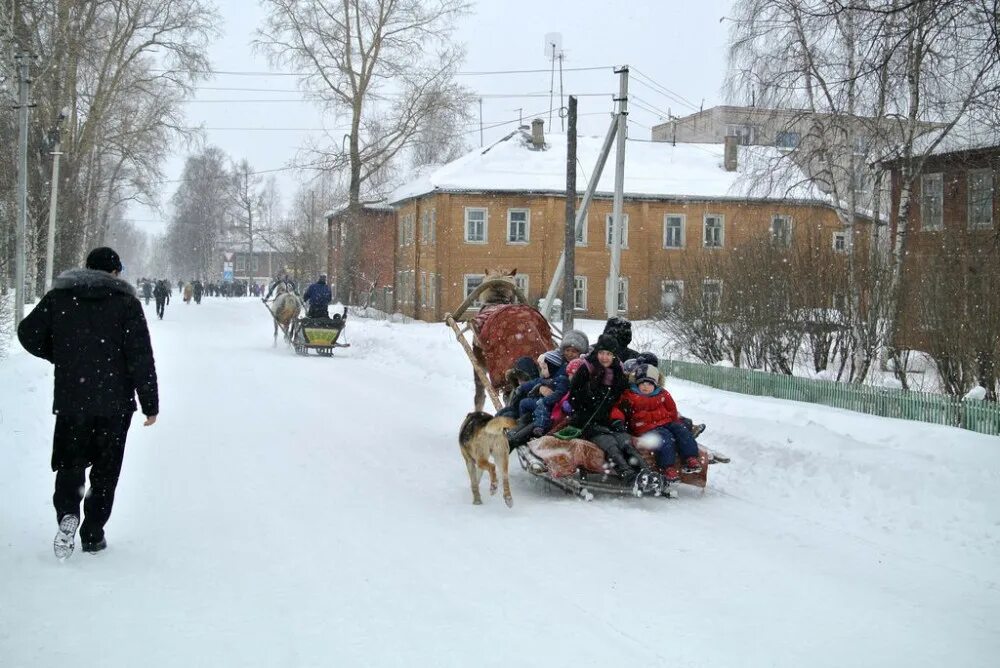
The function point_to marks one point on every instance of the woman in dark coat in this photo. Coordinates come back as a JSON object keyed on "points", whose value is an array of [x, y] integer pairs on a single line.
{"points": [[594, 391]]}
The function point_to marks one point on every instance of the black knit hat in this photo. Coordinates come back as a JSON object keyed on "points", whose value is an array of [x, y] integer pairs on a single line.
{"points": [[606, 342], [104, 259]]}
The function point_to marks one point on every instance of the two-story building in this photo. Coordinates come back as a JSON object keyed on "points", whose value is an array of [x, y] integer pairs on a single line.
{"points": [[376, 264], [951, 238], [503, 206]]}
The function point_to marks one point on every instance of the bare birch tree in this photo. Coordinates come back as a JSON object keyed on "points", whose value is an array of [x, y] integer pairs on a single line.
{"points": [[870, 77], [385, 67]]}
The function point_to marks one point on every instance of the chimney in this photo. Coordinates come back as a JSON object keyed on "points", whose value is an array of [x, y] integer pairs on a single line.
{"points": [[729, 161], [537, 135]]}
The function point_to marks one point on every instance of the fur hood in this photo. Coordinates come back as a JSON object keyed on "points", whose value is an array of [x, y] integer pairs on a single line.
{"points": [[92, 284]]}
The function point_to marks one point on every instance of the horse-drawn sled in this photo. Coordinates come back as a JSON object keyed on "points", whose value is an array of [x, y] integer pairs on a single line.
{"points": [[319, 334], [504, 329], [304, 334]]}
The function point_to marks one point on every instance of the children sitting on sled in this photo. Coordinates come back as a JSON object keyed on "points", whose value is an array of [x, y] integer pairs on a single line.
{"points": [[651, 415]]}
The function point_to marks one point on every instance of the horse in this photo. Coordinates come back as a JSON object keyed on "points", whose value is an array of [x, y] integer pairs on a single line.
{"points": [[528, 337], [285, 308]]}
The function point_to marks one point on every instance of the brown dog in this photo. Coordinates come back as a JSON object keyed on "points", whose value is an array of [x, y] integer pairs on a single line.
{"points": [[480, 437]]}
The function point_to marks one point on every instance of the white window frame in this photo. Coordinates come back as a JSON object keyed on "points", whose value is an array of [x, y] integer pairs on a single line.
{"points": [[931, 211], [423, 289], [621, 295], [433, 235], [580, 288], [607, 230], [425, 226], [527, 226], [663, 293], [486, 224], [718, 306], [522, 283], [861, 144], [467, 289], [743, 132], [581, 239], [843, 237], [974, 224], [683, 230], [722, 230], [785, 241]]}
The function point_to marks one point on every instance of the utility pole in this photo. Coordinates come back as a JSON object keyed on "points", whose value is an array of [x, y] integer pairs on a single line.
{"points": [[616, 214], [21, 265], [55, 140], [480, 122], [249, 201], [570, 244], [312, 221]]}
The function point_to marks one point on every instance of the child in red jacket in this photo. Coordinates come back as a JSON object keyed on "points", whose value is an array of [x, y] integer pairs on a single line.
{"points": [[651, 414]]}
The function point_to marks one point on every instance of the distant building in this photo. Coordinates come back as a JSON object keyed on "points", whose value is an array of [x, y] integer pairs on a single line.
{"points": [[826, 147], [504, 206], [377, 245]]}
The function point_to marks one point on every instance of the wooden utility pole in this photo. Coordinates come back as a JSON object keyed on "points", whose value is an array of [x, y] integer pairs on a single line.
{"points": [[20, 239], [570, 243]]}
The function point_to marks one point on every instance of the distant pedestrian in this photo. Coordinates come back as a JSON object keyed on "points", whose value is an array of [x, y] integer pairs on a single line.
{"points": [[162, 294], [92, 328]]}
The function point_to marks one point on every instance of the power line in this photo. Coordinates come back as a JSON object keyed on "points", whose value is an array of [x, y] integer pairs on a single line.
{"points": [[666, 92], [249, 73]]}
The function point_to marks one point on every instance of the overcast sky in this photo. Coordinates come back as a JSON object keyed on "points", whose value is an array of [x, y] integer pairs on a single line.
{"points": [[676, 49]]}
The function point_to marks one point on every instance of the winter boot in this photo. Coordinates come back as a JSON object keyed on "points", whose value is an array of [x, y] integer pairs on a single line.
{"points": [[691, 465], [94, 547], [64, 541], [697, 429], [519, 435], [650, 482], [671, 474]]}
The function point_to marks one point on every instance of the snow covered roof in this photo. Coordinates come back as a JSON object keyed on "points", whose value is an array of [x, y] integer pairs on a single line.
{"points": [[370, 206], [653, 170]]}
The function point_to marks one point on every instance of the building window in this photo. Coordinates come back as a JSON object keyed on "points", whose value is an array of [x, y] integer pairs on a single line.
{"points": [[860, 181], [787, 140], [622, 296], [744, 133], [475, 226], [423, 287], [671, 293], [521, 282], [471, 282], [714, 232], [518, 222], [581, 233], [432, 237], [425, 226], [840, 242], [624, 230], [711, 296], [411, 229], [673, 230], [862, 144], [241, 263], [781, 230], [579, 293], [931, 201], [980, 199]]}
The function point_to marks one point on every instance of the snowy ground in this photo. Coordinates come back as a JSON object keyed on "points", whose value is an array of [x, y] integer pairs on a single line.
{"points": [[316, 512]]}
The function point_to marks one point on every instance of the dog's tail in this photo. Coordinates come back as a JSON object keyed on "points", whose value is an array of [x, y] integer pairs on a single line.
{"points": [[471, 425]]}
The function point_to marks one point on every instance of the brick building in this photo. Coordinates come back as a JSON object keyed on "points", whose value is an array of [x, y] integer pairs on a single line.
{"points": [[503, 206], [377, 225]]}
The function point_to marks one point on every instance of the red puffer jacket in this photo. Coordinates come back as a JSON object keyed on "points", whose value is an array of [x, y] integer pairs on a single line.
{"points": [[644, 412]]}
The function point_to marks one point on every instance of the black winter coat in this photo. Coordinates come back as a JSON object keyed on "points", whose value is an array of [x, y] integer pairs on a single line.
{"points": [[92, 328], [591, 399]]}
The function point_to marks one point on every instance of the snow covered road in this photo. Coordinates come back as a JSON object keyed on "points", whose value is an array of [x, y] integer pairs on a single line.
{"points": [[316, 512]]}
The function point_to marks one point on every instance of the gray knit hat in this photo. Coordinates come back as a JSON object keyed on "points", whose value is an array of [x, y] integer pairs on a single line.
{"points": [[574, 338]]}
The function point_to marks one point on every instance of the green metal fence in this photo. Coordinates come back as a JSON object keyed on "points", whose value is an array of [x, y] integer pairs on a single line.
{"points": [[979, 416]]}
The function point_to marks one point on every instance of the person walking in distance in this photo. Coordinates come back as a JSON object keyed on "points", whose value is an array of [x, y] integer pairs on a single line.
{"points": [[162, 294], [91, 326]]}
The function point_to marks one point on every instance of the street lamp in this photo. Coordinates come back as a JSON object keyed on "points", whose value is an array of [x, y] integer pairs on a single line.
{"points": [[55, 142]]}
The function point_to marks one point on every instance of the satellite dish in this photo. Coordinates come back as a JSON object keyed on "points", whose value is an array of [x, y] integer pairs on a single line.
{"points": [[553, 45]]}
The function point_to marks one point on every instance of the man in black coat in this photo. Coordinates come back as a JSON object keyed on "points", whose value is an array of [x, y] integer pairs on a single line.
{"points": [[92, 328]]}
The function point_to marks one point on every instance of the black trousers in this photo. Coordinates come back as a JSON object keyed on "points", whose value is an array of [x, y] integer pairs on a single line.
{"points": [[88, 441], [161, 304]]}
